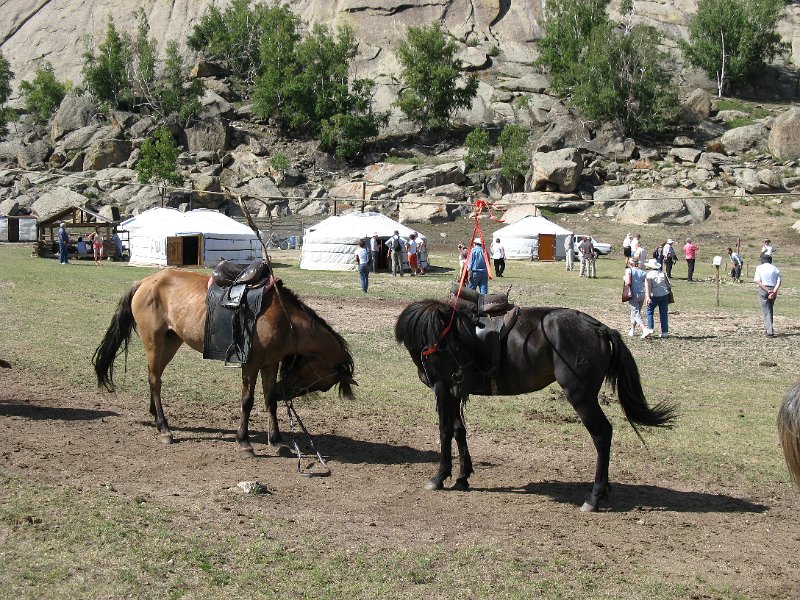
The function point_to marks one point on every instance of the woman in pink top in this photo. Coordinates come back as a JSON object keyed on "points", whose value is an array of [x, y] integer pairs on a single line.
{"points": [[689, 253], [97, 245]]}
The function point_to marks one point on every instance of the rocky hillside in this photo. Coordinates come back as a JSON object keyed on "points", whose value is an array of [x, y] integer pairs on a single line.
{"points": [[86, 157]]}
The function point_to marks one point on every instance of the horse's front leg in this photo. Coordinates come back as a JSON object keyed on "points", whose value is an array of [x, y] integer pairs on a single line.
{"points": [[269, 375], [249, 376], [464, 459], [446, 406]]}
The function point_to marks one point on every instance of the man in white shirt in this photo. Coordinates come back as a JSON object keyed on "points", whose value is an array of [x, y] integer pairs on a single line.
{"points": [[626, 246], [569, 251], [499, 257], [374, 248], [768, 280]]}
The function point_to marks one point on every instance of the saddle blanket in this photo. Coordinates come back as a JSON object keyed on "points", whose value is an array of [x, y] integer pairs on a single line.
{"points": [[229, 330]]}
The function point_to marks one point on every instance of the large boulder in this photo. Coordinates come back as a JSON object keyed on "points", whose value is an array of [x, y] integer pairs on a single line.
{"points": [[9, 207], [741, 139], [386, 173], [696, 107], [610, 194], [784, 139], [428, 177], [205, 192], [356, 190], [73, 113], [552, 201], [669, 207], [55, 201], [212, 134], [418, 208], [106, 153], [559, 170], [34, 155]]}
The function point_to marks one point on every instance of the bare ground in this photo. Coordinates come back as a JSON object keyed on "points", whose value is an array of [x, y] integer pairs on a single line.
{"points": [[525, 493]]}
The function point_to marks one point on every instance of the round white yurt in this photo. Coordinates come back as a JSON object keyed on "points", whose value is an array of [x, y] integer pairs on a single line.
{"points": [[330, 245], [533, 238]]}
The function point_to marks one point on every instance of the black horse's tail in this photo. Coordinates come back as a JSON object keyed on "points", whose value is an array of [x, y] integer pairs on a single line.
{"points": [[118, 334], [789, 431], [623, 374]]}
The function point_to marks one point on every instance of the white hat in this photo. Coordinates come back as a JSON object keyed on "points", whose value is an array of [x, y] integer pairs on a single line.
{"points": [[478, 241], [670, 241], [652, 264]]}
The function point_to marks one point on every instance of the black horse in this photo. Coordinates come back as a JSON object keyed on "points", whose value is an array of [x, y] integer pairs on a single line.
{"points": [[545, 345]]}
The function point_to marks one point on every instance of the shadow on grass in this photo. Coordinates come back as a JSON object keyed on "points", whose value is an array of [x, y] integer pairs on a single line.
{"points": [[625, 497], [54, 413], [335, 447]]}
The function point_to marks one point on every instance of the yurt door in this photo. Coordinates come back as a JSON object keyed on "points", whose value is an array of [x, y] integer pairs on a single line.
{"points": [[184, 250], [175, 251], [547, 246]]}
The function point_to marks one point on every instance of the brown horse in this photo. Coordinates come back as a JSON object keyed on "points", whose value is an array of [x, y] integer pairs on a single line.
{"points": [[789, 431], [546, 345], [168, 309]]}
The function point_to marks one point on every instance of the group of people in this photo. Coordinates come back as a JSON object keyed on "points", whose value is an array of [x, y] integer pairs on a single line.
{"points": [[368, 251], [653, 288], [96, 242], [587, 256]]}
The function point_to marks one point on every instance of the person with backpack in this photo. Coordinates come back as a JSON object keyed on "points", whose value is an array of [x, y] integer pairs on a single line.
{"points": [[669, 255], [395, 252]]}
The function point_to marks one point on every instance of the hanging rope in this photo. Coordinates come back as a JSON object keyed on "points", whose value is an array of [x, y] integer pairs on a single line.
{"points": [[481, 205]]}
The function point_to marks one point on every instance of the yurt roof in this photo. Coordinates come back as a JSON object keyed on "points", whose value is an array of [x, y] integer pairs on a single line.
{"points": [[530, 227], [169, 221], [351, 227]]}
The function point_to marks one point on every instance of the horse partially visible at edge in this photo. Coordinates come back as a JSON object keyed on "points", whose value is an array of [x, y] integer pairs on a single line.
{"points": [[168, 309], [789, 431], [545, 345]]}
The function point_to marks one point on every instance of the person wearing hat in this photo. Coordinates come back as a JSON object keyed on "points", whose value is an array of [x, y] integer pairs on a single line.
{"points": [[626, 246], [689, 253], [478, 270], [669, 256], [63, 244], [736, 264], [656, 293], [395, 246], [374, 248], [634, 277], [768, 280], [412, 247]]}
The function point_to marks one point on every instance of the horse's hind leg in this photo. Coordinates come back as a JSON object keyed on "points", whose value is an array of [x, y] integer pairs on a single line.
{"points": [[160, 350], [464, 459], [585, 403]]}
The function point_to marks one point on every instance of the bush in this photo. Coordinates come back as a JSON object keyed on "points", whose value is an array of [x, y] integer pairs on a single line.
{"points": [[479, 154], [44, 94], [279, 161], [430, 72], [106, 73], [732, 40], [6, 76], [159, 160], [514, 159]]}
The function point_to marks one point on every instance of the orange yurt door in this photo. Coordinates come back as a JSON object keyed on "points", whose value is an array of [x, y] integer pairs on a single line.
{"points": [[547, 246]]}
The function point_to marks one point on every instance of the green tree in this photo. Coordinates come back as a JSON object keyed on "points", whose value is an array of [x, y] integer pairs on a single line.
{"points": [[514, 159], [624, 78], [567, 29], [732, 40], [479, 154], [106, 72], [44, 94], [6, 76], [232, 36], [159, 161], [430, 72], [176, 96]]}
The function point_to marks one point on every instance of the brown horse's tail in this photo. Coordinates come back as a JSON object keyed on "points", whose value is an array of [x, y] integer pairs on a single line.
{"points": [[789, 431], [623, 374], [118, 335]]}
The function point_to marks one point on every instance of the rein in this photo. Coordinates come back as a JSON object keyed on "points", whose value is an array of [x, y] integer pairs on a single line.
{"points": [[292, 414]]}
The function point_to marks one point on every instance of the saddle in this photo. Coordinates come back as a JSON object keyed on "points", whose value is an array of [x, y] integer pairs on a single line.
{"points": [[494, 318], [233, 303]]}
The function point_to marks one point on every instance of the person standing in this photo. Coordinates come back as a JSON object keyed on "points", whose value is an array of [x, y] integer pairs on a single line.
{"points": [[422, 253], [656, 294], [117, 246], [668, 252], [634, 277], [689, 253], [569, 251], [395, 251], [626, 246], [63, 244], [478, 269], [374, 248], [736, 264], [499, 256], [586, 249], [767, 248], [463, 254], [638, 250], [97, 245], [768, 280], [362, 260], [413, 258]]}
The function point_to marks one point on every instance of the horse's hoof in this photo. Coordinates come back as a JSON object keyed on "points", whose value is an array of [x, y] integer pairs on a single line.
{"points": [[460, 486], [434, 485], [165, 438], [285, 452], [246, 451], [588, 507]]}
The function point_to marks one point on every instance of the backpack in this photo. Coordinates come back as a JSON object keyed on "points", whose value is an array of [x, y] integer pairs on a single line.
{"points": [[393, 244], [657, 253]]}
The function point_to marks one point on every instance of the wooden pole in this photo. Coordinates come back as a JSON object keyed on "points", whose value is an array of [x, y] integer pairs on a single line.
{"points": [[717, 285], [363, 195]]}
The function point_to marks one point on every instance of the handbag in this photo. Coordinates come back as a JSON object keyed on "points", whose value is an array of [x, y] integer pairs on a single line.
{"points": [[671, 297], [626, 293]]}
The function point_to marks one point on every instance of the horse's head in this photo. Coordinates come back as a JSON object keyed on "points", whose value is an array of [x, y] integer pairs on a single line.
{"points": [[303, 374]]}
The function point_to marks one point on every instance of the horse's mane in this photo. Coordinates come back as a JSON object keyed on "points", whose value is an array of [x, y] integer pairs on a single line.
{"points": [[288, 364], [421, 324]]}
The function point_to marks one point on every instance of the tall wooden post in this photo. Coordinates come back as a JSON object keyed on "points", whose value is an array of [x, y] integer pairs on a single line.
{"points": [[363, 195], [717, 267]]}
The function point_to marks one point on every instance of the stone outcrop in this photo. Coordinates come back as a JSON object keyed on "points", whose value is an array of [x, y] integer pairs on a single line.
{"points": [[416, 208], [671, 207], [74, 113], [784, 138], [559, 170], [56, 200], [106, 153]]}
